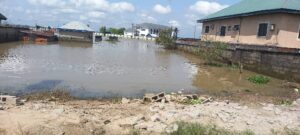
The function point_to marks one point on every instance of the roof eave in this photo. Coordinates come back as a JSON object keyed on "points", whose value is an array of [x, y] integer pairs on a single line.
{"points": [[289, 11]]}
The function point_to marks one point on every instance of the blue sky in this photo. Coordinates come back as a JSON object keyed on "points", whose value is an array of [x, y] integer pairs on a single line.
{"points": [[113, 13]]}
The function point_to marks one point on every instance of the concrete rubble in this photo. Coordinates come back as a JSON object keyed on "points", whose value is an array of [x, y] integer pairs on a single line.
{"points": [[154, 114]]}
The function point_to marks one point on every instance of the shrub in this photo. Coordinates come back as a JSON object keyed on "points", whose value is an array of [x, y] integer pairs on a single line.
{"points": [[198, 129], [258, 79], [165, 38]]}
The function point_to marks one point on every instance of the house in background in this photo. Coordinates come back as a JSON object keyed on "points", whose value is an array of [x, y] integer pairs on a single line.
{"points": [[75, 31], [2, 17], [149, 29], [256, 22], [129, 32]]}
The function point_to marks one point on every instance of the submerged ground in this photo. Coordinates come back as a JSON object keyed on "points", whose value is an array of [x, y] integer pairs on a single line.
{"points": [[129, 68]]}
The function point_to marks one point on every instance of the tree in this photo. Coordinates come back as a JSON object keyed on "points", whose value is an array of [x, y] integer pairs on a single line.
{"points": [[117, 31], [165, 38], [103, 30]]}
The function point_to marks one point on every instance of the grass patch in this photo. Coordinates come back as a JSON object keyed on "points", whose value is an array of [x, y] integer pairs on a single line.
{"points": [[198, 129], [259, 79], [192, 101], [285, 102], [53, 95]]}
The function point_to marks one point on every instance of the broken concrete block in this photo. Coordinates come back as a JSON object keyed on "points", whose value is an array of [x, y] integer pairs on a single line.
{"points": [[9, 100]]}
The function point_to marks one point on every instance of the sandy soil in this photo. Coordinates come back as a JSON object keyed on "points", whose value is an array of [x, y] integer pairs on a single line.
{"points": [[100, 117]]}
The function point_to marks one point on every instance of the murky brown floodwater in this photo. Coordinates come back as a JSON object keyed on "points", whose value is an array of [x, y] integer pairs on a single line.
{"points": [[127, 68]]}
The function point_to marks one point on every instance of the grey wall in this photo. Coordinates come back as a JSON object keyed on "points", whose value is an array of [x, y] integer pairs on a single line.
{"points": [[8, 34], [278, 62]]}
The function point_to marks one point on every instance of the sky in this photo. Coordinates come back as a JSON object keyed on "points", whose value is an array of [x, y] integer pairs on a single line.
{"points": [[113, 13]]}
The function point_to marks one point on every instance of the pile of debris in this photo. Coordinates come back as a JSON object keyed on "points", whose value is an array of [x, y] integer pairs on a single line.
{"points": [[176, 97]]}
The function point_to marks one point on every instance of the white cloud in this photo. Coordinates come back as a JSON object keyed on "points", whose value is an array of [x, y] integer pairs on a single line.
{"points": [[174, 23], [146, 18], [161, 9], [96, 14], [206, 7], [47, 3], [122, 6]]}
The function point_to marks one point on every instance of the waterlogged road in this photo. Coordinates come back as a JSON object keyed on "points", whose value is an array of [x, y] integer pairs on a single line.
{"points": [[127, 68]]}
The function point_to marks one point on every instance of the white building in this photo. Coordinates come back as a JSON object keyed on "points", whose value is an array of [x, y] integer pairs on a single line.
{"points": [[149, 29], [129, 32]]}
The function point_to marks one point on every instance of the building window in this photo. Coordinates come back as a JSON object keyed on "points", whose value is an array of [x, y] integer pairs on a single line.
{"points": [[143, 29], [223, 31], [236, 27], [262, 30], [206, 29]]}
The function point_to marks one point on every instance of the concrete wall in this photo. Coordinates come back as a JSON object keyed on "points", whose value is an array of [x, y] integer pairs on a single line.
{"points": [[8, 34], [285, 33], [278, 62], [75, 36]]}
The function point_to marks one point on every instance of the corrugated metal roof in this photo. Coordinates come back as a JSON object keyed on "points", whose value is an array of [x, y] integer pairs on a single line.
{"points": [[152, 26], [253, 7], [2, 17], [76, 26]]}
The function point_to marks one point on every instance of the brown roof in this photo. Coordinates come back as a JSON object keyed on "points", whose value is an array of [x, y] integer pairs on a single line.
{"points": [[2, 17]]}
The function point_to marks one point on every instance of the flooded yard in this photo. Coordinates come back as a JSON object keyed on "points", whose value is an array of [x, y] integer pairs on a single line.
{"points": [[128, 68]]}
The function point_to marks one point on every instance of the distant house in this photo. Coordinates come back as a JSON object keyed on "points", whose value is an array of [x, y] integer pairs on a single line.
{"points": [[2, 17], [257, 22], [149, 29], [76, 31], [129, 32]]}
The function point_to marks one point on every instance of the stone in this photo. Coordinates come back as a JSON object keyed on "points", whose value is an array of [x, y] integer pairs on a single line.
{"points": [[195, 96], [168, 98], [172, 128], [129, 121], [296, 90], [155, 118], [125, 101], [1, 108], [107, 122]]}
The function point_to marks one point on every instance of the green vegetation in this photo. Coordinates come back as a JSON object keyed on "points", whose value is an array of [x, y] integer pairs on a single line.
{"points": [[103, 30], [118, 31], [192, 101], [165, 38], [198, 129], [285, 102], [213, 53], [259, 79], [52, 95]]}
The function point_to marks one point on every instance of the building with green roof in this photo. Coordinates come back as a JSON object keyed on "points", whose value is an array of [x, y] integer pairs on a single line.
{"points": [[257, 22]]}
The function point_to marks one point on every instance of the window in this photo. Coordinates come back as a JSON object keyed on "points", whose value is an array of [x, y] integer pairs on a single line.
{"points": [[236, 27], [206, 29], [143, 29], [262, 30], [223, 31]]}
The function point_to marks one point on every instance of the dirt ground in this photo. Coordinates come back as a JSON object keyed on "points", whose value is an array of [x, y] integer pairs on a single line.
{"points": [[78, 117]]}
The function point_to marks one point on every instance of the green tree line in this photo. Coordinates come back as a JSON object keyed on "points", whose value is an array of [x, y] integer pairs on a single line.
{"points": [[118, 31]]}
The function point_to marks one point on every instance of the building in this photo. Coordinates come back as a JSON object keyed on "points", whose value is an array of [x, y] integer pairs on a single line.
{"points": [[149, 29], [2, 17], [129, 32], [256, 22], [75, 31]]}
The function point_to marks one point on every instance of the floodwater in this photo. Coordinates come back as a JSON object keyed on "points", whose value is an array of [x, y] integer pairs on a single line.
{"points": [[127, 68]]}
